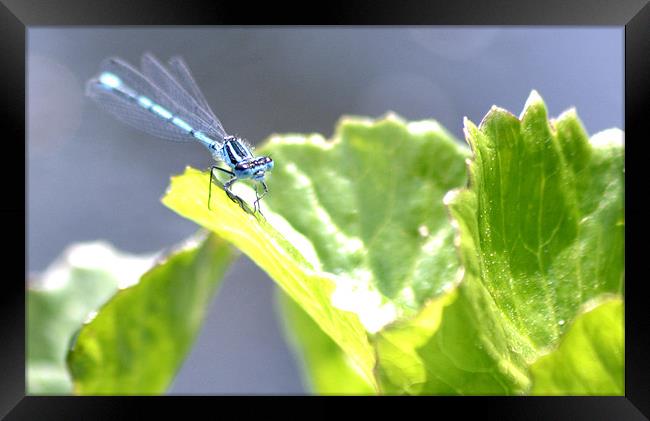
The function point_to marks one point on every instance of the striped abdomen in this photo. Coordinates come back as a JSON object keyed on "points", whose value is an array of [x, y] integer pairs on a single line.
{"points": [[111, 82]]}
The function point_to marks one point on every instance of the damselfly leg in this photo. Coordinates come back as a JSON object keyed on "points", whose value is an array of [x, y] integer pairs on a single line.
{"points": [[256, 204], [226, 187]]}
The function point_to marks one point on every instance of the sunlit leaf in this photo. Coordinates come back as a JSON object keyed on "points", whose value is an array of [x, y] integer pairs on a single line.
{"points": [[355, 232], [325, 367]]}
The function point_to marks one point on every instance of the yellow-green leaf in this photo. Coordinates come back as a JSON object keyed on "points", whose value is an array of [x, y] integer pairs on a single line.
{"points": [[590, 357], [326, 369]]}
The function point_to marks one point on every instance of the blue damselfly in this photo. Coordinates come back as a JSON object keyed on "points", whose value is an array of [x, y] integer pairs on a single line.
{"points": [[167, 103]]}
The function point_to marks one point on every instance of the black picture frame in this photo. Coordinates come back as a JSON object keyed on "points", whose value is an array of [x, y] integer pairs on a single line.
{"points": [[16, 16]]}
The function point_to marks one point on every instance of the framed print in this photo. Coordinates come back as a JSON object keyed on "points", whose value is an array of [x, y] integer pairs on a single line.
{"points": [[424, 202]]}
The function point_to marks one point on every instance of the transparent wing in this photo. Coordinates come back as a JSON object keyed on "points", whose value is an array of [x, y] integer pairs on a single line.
{"points": [[182, 73], [165, 80], [128, 111], [132, 114]]}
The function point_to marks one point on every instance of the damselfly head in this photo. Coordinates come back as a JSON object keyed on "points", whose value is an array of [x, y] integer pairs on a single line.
{"points": [[264, 165], [267, 162], [255, 168]]}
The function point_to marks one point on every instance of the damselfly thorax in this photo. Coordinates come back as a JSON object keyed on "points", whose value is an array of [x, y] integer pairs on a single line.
{"points": [[238, 156]]}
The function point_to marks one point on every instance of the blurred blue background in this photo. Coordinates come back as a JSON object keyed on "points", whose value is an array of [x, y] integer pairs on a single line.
{"points": [[91, 177]]}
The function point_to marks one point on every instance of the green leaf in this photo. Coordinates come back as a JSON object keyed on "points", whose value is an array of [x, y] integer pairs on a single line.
{"points": [[547, 221], [590, 357], [358, 236], [455, 346], [58, 302], [137, 341], [541, 229], [356, 231], [325, 367], [540, 234]]}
